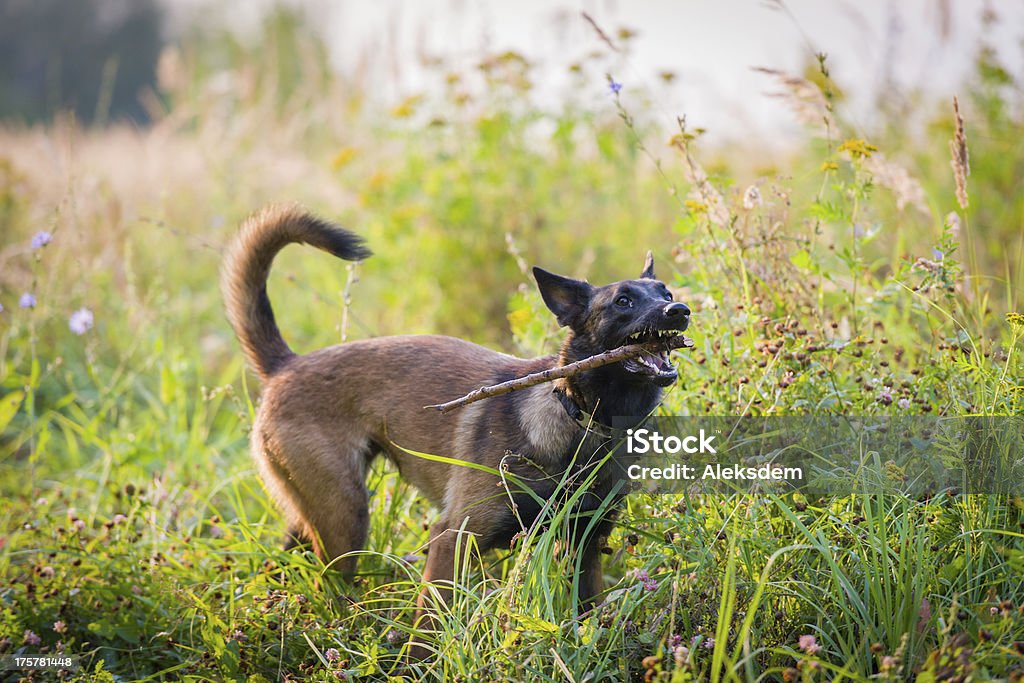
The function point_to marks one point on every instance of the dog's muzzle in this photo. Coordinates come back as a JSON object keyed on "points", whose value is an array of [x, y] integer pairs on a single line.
{"points": [[657, 366]]}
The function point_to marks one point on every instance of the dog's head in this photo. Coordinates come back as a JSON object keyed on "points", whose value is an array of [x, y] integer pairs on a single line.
{"points": [[626, 312]]}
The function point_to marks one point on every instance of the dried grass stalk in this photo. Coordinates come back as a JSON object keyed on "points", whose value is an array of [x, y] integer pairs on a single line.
{"points": [[959, 161], [905, 187], [805, 99]]}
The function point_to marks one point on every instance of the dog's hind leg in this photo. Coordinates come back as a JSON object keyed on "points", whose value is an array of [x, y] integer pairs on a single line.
{"points": [[320, 485]]}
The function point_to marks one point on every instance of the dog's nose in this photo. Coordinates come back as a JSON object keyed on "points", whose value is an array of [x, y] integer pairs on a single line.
{"points": [[675, 309]]}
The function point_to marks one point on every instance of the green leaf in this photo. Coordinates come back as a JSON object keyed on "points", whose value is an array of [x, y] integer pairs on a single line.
{"points": [[9, 407], [537, 624], [802, 260]]}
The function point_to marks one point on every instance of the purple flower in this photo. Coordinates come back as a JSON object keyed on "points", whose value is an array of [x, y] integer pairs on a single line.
{"points": [[80, 321], [675, 641], [614, 86], [31, 638], [903, 403], [41, 239], [708, 643], [809, 644], [650, 585], [27, 300], [332, 654]]}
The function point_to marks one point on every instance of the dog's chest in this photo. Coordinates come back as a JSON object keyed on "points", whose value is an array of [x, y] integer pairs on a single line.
{"points": [[546, 425]]}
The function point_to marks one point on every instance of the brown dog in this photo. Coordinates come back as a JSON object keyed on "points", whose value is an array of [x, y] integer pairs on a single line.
{"points": [[325, 415]]}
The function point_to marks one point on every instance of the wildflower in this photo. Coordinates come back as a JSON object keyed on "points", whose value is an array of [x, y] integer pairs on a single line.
{"points": [[27, 300], [751, 198], [708, 643], [650, 585], [903, 403], [614, 86], [31, 638], [332, 654], [78, 524], [937, 255], [60, 627], [81, 321], [1015, 319], [680, 654], [46, 572], [675, 641], [118, 519], [694, 206], [41, 239], [925, 264], [858, 148], [809, 644]]}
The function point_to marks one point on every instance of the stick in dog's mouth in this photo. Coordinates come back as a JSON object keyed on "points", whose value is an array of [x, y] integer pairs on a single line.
{"points": [[655, 362], [658, 348]]}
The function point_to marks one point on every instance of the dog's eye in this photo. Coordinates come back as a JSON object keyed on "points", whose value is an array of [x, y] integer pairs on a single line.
{"points": [[623, 301], [668, 295]]}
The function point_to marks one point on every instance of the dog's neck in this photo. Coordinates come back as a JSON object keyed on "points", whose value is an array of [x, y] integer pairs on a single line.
{"points": [[607, 392]]}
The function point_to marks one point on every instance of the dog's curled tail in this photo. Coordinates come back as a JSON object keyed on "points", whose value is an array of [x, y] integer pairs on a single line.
{"points": [[247, 266]]}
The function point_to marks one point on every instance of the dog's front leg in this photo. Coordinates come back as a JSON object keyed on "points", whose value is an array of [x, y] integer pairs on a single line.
{"points": [[440, 571]]}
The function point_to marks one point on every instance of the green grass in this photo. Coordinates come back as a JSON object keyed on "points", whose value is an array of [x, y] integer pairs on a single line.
{"points": [[136, 534]]}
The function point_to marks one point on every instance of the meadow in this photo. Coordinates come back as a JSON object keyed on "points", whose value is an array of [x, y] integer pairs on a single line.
{"points": [[856, 274]]}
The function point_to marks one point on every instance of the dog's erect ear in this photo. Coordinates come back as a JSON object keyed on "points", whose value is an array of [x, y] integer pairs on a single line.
{"points": [[648, 273], [567, 298]]}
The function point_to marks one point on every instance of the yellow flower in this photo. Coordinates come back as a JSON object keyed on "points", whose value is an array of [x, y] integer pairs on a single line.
{"points": [[343, 157], [407, 108], [680, 139], [693, 206], [1015, 319], [857, 148], [829, 166]]}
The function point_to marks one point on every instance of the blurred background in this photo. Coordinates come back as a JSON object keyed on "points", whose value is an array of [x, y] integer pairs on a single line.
{"points": [[99, 57]]}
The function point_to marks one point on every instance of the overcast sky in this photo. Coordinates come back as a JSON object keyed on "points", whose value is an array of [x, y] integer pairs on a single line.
{"points": [[710, 44]]}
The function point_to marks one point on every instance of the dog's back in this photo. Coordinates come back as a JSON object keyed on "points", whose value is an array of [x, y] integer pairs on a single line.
{"points": [[325, 415]]}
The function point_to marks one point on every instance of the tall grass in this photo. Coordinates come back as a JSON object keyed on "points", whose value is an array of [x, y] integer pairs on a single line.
{"points": [[845, 279]]}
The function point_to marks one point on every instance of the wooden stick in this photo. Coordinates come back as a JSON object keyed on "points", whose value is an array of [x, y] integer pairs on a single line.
{"points": [[551, 374]]}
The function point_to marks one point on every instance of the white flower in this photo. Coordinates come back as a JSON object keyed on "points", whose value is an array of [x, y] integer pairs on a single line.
{"points": [[751, 198], [80, 321]]}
